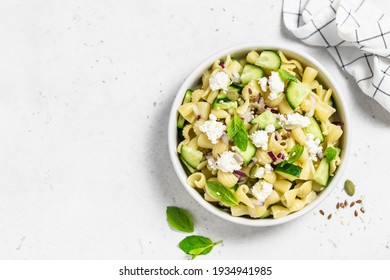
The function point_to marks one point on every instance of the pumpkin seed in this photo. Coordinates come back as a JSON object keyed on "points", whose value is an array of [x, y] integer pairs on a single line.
{"points": [[253, 171], [349, 187], [253, 128]]}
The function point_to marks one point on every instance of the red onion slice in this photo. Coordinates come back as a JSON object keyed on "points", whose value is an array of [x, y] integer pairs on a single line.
{"points": [[225, 139], [281, 156], [272, 156]]}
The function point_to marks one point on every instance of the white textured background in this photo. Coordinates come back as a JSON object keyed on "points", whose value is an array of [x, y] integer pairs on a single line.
{"points": [[85, 90]]}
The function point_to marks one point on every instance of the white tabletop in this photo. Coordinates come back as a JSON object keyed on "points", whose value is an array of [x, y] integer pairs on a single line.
{"points": [[85, 91]]}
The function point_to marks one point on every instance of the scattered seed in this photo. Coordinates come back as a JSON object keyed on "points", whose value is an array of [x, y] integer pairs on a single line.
{"points": [[362, 210], [329, 216], [322, 213], [352, 204], [345, 203], [356, 213], [349, 187], [359, 201], [338, 205], [342, 205]]}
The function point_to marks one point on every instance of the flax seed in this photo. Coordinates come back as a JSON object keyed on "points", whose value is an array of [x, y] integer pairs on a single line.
{"points": [[345, 203], [359, 201], [362, 210], [356, 213], [352, 204], [329, 216], [322, 213]]}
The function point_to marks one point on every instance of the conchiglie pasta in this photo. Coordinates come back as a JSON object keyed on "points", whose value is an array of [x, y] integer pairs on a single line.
{"points": [[197, 180]]}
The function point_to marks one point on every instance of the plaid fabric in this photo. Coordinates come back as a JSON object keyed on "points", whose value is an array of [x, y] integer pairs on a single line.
{"points": [[355, 32]]}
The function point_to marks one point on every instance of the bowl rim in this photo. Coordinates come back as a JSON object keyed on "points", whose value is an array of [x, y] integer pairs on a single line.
{"points": [[195, 76]]}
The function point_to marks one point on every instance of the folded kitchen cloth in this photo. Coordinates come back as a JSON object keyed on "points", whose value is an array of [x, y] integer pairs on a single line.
{"points": [[355, 32]]}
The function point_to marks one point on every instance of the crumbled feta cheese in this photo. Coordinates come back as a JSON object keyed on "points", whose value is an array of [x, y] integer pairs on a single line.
{"points": [[260, 139], [268, 168], [270, 128], [263, 83], [275, 82], [294, 119], [276, 85], [227, 162], [213, 129], [273, 95], [313, 146], [260, 172], [219, 80], [261, 190]]}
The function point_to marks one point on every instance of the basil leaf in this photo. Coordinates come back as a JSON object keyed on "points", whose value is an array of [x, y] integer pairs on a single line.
{"points": [[179, 219], [330, 154], [285, 75], [237, 132], [294, 154], [222, 193], [196, 245]]}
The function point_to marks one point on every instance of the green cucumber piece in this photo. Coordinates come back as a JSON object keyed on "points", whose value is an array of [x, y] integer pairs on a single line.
{"points": [[191, 169], [248, 154], [296, 93], [315, 129], [266, 118], [269, 60], [187, 99], [322, 173], [222, 105], [289, 171], [251, 72], [191, 156]]}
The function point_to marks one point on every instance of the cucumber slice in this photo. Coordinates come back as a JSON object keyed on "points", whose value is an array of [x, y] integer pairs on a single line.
{"points": [[187, 99], [251, 72], [224, 105], [289, 171], [296, 93], [322, 174], [192, 170], [248, 154], [269, 60], [266, 118], [315, 129], [191, 156]]}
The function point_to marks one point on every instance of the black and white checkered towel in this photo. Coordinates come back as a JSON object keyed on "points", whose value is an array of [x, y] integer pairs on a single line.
{"points": [[355, 32]]}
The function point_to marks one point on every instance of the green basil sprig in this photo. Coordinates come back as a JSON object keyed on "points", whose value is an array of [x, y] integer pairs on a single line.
{"points": [[237, 132], [221, 192], [285, 75], [180, 219], [294, 154], [196, 245]]}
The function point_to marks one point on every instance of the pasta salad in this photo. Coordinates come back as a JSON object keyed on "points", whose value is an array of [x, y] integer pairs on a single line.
{"points": [[259, 135]]}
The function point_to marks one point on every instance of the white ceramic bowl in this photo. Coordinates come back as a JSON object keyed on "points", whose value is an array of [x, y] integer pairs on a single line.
{"points": [[194, 80]]}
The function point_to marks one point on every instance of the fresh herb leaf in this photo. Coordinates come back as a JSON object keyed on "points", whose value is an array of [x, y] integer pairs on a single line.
{"points": [[196, 245], [237, 132], [330, 154], [221, 192], [179, 219], [294, 154], [285, 75]]}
